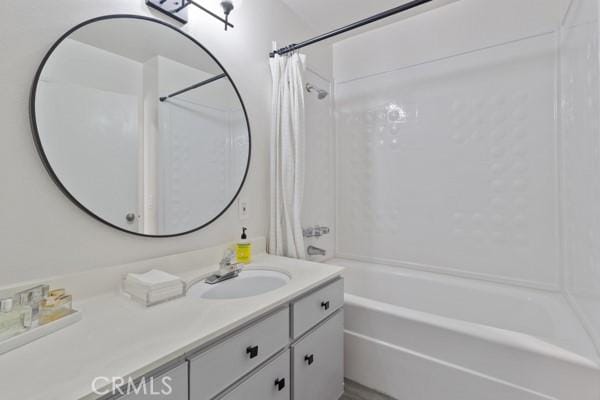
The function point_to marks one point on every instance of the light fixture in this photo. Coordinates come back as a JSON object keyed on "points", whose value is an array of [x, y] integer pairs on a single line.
{"points": [[177, 9], [228, 6]]}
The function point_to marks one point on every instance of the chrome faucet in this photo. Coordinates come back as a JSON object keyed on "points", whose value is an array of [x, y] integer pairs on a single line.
{"points": [[315, 251], [315, 231], [227, 269]]}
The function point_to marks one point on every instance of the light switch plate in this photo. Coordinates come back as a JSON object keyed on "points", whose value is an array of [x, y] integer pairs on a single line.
{"points": [[243, 209], [170, 7]]}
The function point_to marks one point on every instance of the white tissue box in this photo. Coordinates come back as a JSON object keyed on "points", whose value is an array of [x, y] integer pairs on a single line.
{"points": [[153, 287], [154, 279]]}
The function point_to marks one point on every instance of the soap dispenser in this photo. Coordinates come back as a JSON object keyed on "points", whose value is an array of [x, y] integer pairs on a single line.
{"points": [[243, 249]]}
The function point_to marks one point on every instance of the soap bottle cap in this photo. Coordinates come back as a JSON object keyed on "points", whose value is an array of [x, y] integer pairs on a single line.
{"points": [[244, 229], [6, 305]]}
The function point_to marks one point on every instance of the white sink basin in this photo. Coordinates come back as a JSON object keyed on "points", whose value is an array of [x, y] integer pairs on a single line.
{"points": [[250, 282]]}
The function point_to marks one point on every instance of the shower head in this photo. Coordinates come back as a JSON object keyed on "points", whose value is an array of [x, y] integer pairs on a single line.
{"points": [[321, 94]]}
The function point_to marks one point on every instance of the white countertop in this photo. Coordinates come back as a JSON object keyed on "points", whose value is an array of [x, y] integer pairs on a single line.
{"points": [[120, 338]]}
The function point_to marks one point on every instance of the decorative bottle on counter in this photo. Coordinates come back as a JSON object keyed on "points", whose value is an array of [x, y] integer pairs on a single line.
{"points": [[13, 320], [243, 249]]}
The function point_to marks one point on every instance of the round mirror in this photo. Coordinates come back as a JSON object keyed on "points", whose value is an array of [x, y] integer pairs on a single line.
{"points": [[140, 126]]}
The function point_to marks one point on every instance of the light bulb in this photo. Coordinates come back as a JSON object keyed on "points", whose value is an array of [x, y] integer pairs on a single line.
{"points": [[223, 6], [218, 4], [227, 6], [237, 4]]}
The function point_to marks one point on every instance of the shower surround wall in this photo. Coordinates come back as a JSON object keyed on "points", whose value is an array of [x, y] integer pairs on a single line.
{"points": [[447, 143], [318, 207], [473, 149], [468, 145], [579, 80]]}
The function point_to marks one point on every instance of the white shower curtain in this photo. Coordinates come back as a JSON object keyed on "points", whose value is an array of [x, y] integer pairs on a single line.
{"points": [[287, 156]]}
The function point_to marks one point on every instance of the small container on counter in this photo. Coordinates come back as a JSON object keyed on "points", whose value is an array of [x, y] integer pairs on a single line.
{"points": [[57, 305]]}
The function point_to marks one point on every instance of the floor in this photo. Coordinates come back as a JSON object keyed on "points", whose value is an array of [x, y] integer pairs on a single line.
{"points": [[355, 391]]}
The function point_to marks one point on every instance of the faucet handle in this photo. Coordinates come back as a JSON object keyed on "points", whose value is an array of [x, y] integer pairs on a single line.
{"points": [[315, 231], [228, 263], [228, 257]]}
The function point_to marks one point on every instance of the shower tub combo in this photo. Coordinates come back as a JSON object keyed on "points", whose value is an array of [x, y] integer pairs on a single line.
{"points": [[420, 336]]}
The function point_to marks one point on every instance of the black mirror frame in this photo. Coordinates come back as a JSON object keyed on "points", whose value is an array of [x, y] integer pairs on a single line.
{"points": [[46, 162]]}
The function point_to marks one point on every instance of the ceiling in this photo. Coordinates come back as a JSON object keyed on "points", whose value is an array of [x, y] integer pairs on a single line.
{"points": [[326, 15]]}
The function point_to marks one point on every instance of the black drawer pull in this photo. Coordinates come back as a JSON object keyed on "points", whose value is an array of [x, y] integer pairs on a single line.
{"points": [[325, 305], [309, 359], [252, 351], [280, 383]]}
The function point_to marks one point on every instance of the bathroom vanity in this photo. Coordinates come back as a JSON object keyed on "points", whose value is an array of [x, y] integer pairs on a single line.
{"points": [[294, 352], [286, 343]]}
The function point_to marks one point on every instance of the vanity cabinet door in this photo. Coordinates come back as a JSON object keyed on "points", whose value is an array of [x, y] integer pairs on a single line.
{"points": [[218, 367], [316, 306], [171, 385], [319, 362], [272, 382]]}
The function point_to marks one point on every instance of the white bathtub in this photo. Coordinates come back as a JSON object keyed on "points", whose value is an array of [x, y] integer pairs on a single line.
{"points": [[421, 336]]}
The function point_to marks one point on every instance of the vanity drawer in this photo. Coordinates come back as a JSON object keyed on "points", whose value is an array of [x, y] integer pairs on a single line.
{"points": [[222, 364], [318, 361], [309, 310], [272, 382]]}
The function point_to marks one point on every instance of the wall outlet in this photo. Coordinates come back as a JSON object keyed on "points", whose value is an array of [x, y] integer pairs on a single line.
{"points": [[243, 209]]}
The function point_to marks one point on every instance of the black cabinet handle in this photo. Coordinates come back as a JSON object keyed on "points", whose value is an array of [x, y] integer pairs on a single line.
{"points": [[280, 383], [325, 305], [252, 351], [309, 359]]}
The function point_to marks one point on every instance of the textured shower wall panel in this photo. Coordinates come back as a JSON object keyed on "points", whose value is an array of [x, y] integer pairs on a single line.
{"points": [[580, 137], [450, 165]]}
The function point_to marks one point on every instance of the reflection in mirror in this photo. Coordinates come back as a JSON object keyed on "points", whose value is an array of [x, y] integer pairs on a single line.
{"points": [[141, 126]]}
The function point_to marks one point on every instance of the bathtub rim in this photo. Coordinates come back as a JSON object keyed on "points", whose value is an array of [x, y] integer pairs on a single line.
{"points": [[448, 271], [583, 344], [518, 340]]}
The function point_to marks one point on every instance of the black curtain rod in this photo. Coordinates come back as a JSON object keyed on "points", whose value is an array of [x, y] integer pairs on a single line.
{"points": [[339, 31], [194, 86]]}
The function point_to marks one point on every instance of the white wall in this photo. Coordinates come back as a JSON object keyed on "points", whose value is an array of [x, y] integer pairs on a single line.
{"points": [[446, 136], [44, 234], [579, 80]]}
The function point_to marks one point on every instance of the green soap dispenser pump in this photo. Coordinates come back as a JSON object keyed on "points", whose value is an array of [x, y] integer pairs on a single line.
{"points": [[243, 249]]}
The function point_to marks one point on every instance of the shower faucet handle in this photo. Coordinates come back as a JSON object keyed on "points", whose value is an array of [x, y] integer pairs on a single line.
{"points": [[324, 230], [315, 231]]}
